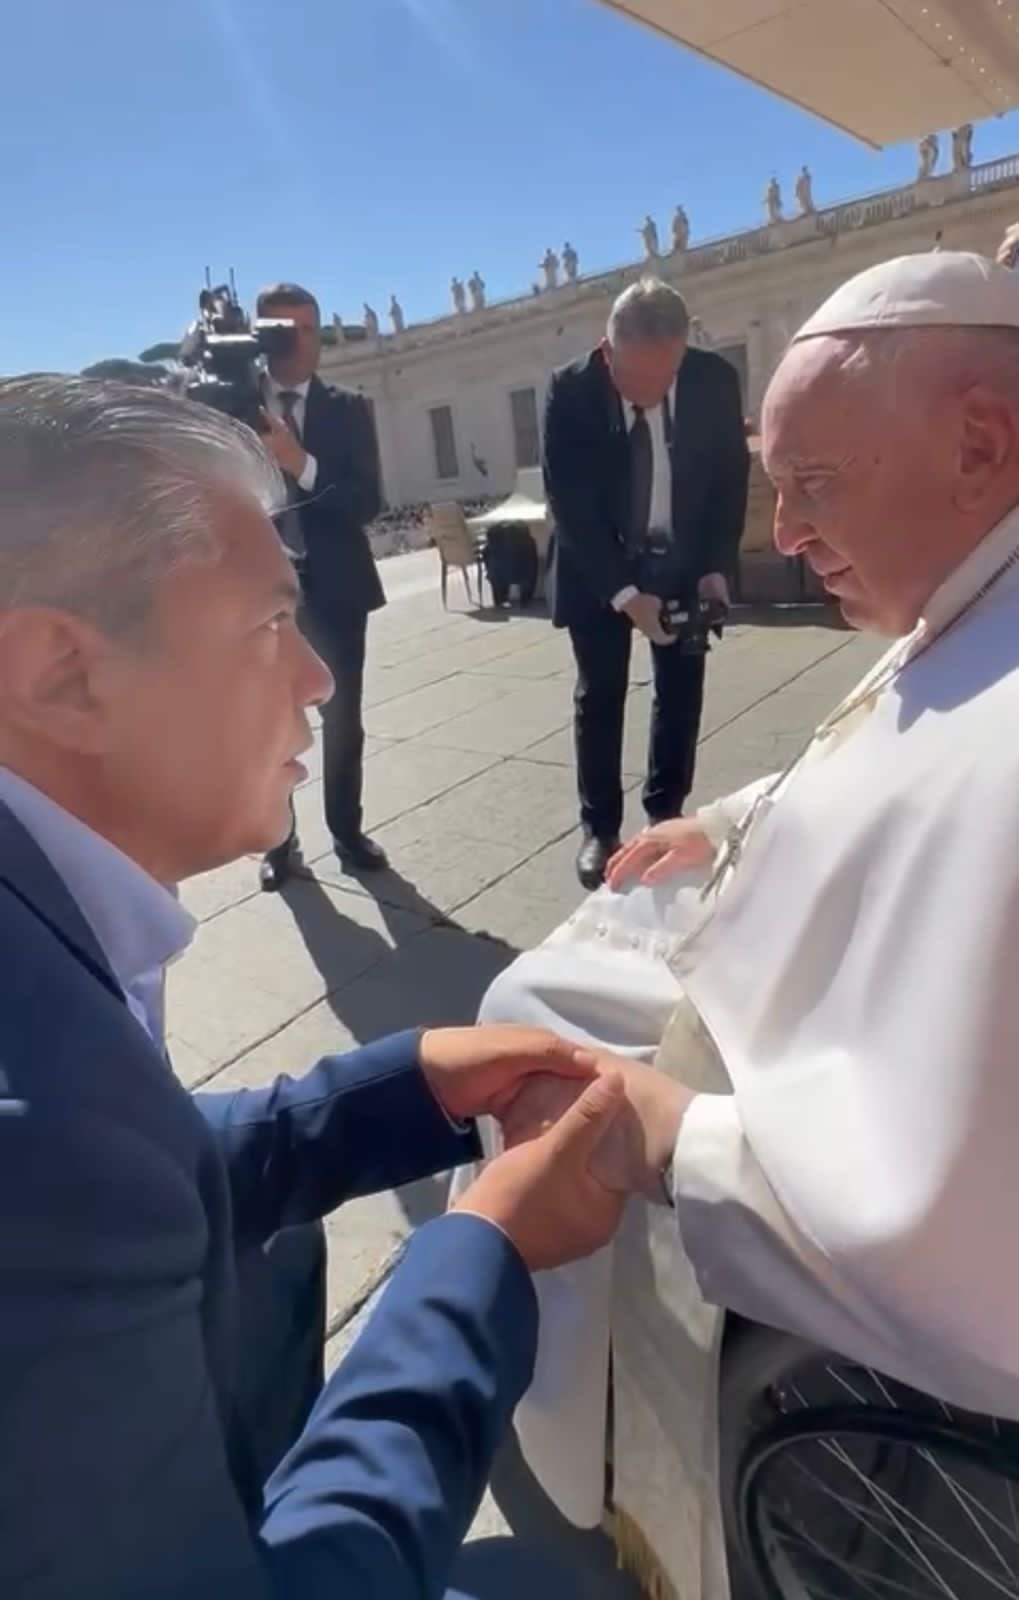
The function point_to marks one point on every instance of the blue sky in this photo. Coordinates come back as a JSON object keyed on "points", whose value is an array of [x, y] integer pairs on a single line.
{"points": [[362, 147]]}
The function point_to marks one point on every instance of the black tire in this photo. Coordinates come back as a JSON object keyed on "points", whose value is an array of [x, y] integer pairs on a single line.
{"points": [[754, 1361], [769, 1416]]}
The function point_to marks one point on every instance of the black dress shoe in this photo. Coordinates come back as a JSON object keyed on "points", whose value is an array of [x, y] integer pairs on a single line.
{"points": [[593, 857], [361, 854], [278, 867]]}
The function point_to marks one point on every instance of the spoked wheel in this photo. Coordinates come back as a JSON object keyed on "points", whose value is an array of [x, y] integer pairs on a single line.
{"points": [[841, 1484]]}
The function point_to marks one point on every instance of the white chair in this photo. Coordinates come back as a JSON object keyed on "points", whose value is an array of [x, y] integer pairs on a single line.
{"points": [[457, 547]]}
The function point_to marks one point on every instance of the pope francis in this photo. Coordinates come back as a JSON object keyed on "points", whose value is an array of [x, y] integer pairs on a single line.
{"points": [[833, 1004]]}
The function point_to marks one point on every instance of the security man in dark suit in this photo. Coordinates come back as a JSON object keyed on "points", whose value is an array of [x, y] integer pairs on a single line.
{"points": [[323, 438], [644, 449]]}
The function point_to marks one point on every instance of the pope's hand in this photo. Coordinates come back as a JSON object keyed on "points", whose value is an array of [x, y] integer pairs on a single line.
{"points": [[660, 853], [640, 1142], [476, 1071], [545, 1194]]}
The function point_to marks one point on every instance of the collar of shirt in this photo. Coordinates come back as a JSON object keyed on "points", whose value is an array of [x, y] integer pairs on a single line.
{"points": [[651, 412], [276, 389], [139, 924]]}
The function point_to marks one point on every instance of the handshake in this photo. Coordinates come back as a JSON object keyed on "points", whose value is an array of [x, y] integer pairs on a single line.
{"points": [[582, 1129]]}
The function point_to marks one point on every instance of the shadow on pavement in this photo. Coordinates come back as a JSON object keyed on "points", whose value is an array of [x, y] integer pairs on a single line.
{"points": [[428, 972], [808, 615], [544, 1533]]}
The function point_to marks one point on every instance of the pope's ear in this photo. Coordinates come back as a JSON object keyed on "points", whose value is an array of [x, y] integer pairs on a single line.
{"points": [[988, 440], [51, 678]]}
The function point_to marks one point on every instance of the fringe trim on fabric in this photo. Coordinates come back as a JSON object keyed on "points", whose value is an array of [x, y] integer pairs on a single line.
{"points": [[635, 1556]]}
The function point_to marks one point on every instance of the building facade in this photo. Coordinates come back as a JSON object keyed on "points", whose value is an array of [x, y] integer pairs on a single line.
{"points": [[458, 401]]}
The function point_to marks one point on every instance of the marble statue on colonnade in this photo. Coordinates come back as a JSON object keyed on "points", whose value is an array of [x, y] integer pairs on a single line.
{"points": [[459, 294], [962, 147], [476, 284], [805, 192], [571, 262], [680, 230], [648, 231], [928, 150], [549, 265], [773, 201]]}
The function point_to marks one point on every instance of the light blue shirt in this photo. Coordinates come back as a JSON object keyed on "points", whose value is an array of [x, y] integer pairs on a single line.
{"points": [[139, 925]]}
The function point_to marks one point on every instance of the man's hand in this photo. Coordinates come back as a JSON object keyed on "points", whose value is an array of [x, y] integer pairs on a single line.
{"points": [[645, 612], [477, 1071], [660, 853], [714, 586], [637, 1146], [544, 1194], [287, 451]]}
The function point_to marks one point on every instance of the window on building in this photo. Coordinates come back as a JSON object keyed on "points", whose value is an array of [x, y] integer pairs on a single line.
{"points": [[444, 442], [526, 436]]}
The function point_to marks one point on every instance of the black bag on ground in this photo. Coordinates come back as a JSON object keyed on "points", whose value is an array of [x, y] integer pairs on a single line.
{"points": [[511, 557]]}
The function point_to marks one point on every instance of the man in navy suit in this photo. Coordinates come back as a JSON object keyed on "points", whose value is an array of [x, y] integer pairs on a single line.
{"points": [[164, 1427]]}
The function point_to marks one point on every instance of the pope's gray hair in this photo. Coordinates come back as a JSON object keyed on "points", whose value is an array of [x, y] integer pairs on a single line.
{"points": [[105, 487], [648, 312]]}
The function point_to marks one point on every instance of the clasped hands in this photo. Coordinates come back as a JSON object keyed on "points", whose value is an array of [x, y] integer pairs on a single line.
{"points": [[582, 1129]]}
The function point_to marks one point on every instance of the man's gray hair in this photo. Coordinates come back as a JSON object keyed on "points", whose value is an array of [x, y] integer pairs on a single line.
{"points": [[648, 312], [105, 487]]}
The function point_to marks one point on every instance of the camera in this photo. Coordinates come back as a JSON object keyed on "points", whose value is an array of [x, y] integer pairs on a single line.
{"points": [[224, 352], [691, 626]]}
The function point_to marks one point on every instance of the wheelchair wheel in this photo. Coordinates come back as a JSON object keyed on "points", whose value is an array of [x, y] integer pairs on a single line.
{"points": [[840, 1484]]}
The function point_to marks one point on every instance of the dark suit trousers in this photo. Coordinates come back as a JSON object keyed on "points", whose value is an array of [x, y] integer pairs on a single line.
{"points": [[601, 649], [341, 645]]}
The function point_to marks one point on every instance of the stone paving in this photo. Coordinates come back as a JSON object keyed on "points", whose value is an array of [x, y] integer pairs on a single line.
{"points": [[469, 786]]}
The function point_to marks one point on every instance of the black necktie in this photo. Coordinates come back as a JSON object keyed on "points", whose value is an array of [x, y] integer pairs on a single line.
{"points": [[642, 467], [291, 531], [288, 400]]}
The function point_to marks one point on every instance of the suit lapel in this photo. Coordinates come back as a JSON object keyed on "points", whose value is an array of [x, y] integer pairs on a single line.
{"points": [[610, 406], [312, 413], [28, 873], [684, 431]]}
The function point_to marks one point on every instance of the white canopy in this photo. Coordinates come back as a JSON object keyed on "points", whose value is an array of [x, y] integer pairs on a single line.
{"points": [[884, 70]]}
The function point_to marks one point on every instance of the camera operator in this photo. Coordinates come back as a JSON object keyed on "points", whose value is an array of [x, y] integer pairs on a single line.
{"points": [[323, 438], [646, 468]]}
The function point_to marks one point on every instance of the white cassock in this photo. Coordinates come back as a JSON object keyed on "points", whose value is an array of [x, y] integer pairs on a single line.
{"points": [[853, 987]]}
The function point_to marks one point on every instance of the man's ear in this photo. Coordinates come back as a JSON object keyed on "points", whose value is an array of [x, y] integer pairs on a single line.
{"points": [[51, 678]]}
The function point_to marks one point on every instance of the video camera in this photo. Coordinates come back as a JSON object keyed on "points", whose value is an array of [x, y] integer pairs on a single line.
{"points": [[661, 569], [225, 350], [691, 626]]}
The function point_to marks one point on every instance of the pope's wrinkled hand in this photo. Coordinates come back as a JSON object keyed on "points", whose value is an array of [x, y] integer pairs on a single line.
{"points": [[637, 1147], [545, 1194], [661, 852], [475, 1072]]}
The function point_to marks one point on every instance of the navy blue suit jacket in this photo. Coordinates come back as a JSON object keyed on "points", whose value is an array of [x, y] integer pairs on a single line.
{"points": [[124, 1473]]}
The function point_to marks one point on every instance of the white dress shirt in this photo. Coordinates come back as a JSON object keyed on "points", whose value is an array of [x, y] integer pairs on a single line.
{"points": [[271, 391], [139, 925], [660, 515]]}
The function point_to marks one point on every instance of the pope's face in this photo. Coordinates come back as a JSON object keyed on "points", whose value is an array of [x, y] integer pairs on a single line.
{"points": [[864, 464]]}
